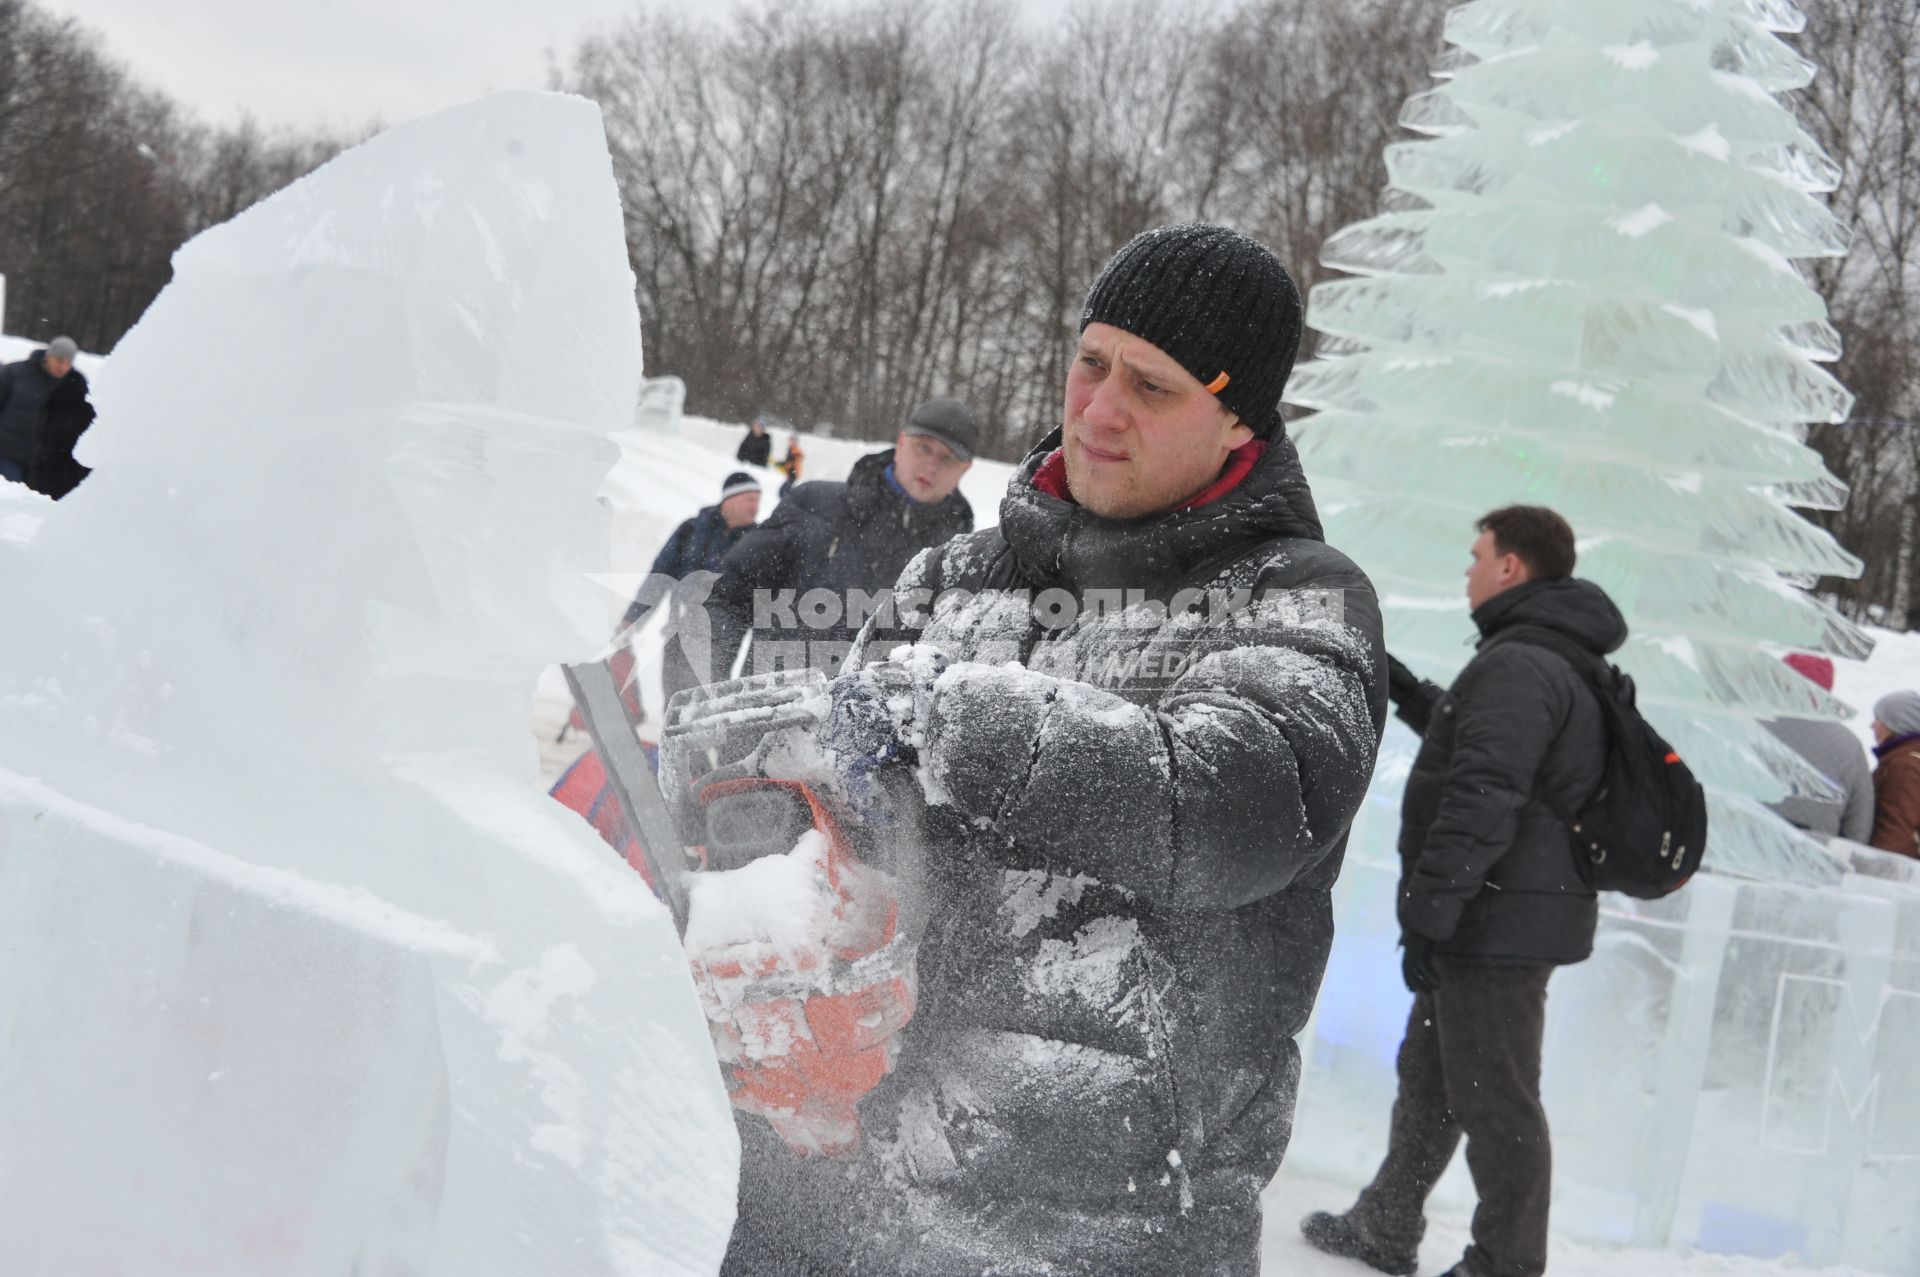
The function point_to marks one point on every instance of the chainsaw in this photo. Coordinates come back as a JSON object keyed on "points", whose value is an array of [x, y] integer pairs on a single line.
{"points": [[787, 893]]}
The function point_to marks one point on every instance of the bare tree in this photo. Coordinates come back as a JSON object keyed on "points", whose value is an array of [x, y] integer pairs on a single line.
{"points": [[1863, 107]]}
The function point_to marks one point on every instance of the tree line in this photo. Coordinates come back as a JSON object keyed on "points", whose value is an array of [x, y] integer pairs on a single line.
{"points": [[102, 178], [838, 208]]}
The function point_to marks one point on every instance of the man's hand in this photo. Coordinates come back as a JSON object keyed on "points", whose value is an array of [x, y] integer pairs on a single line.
{"points": [[861, 727], [1413, 697], [1401, 681], [1416, 963]]}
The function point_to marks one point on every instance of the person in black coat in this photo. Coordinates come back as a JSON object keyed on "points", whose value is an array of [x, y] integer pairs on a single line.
{"points": [[1141, 713], [757, 448], [849, 540], [43, 413], [1490, 902]]}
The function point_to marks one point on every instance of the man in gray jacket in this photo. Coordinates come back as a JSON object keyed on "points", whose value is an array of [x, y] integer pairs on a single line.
{"points": [[1141, 713], [1490, 902]]}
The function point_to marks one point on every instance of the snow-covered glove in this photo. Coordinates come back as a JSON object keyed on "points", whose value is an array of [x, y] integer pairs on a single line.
{"points": [[860, 728], [878, 713], [1416, 963]]}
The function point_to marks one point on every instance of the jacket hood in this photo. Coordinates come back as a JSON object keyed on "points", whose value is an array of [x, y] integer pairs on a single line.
{"points": [[1063, 543], [1578, 609]]}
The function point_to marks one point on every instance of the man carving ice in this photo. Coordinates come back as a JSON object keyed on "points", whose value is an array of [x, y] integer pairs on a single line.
{"points": [[1127, 861]]}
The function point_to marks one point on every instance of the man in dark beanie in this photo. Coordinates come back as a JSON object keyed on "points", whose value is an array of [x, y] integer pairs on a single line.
{"points": [[699, 544], [1141, 713]]}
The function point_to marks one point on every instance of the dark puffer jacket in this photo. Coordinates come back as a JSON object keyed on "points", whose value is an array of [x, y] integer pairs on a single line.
{"points": [[699, 544], [41, 419], [1487, 866], [1142, 815], [830, 536]]}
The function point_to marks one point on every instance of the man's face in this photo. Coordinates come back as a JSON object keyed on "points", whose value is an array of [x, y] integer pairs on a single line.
{"points": [[740, 509], [1881, 732], [56, 367], [926, 468], [1141, 435], [1491, 573]]}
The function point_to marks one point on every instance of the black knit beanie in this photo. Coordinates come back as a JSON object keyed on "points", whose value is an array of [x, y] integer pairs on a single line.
{"points": [[1219, 303]]}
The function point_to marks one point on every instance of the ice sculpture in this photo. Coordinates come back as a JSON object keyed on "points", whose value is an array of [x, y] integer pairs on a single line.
{"points": [[1584, 296], [301, 972], [1586, 299]]}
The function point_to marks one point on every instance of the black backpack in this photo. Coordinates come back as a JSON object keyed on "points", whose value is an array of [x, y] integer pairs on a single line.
{"points": [[1643, 831]]}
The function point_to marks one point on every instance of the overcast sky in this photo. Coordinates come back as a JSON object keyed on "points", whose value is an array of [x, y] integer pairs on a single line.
{"points": [[340, 63]]}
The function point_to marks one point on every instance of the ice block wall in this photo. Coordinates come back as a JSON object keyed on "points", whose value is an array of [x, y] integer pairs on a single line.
{"points": [[1583, 294], [300, 970]]}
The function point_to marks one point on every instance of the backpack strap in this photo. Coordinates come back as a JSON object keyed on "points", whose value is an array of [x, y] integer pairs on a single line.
{"points": [[1591, 666]]}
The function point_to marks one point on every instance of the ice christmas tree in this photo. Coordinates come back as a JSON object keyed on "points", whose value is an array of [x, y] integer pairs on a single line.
{"points": [[1585, 296]]}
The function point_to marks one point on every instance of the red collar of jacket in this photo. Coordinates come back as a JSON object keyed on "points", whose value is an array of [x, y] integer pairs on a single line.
{"points": [[1051, 477]]}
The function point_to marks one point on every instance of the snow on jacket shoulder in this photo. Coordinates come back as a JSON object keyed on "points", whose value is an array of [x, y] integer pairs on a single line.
{"points": [[1143, 760]]}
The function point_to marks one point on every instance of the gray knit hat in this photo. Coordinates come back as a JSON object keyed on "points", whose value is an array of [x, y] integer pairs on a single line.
{"points": [[63, 348], [1219, 303], [1900, 711]]}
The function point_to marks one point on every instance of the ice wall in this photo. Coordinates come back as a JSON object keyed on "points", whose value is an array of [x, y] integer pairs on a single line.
{"points": [[1583, 295], [302, 972]]}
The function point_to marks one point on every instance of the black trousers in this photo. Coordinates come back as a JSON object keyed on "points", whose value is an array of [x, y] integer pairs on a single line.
{"points": [[1470, 1065]]}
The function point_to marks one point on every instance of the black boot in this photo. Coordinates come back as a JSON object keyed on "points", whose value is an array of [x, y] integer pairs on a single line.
{"points": [[1339, 1235]]}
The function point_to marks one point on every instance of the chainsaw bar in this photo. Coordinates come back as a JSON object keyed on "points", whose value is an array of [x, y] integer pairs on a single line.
{"points": [[617, 740]]}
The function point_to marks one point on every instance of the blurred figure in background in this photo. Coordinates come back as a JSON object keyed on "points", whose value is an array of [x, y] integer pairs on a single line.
{"points": [[789, 465], [43, 413], [757, 448], [1834, 751], [1896, 781]]}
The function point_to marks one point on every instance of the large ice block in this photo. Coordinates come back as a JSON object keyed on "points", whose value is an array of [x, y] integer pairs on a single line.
{"points": [[302, 972]]}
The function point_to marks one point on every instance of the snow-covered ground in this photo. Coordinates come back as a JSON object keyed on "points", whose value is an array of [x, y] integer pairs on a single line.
{"points": [[1284, 1254]]}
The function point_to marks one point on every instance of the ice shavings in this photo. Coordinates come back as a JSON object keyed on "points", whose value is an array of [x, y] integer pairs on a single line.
{"points": [[522, 1007], [1700, 321], [1641, 221], [771, 903], [1029, 897], [1504, 288], [1584, 393], [1707, 142], [1639, 56], [1090, 967], [1541, 135]]}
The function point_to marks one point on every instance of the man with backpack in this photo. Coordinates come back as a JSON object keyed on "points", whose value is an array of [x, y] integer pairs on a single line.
{"points": [[1492, 899]]}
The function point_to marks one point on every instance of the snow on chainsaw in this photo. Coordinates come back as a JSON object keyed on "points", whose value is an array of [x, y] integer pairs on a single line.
{"points": [[797, 920]]}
